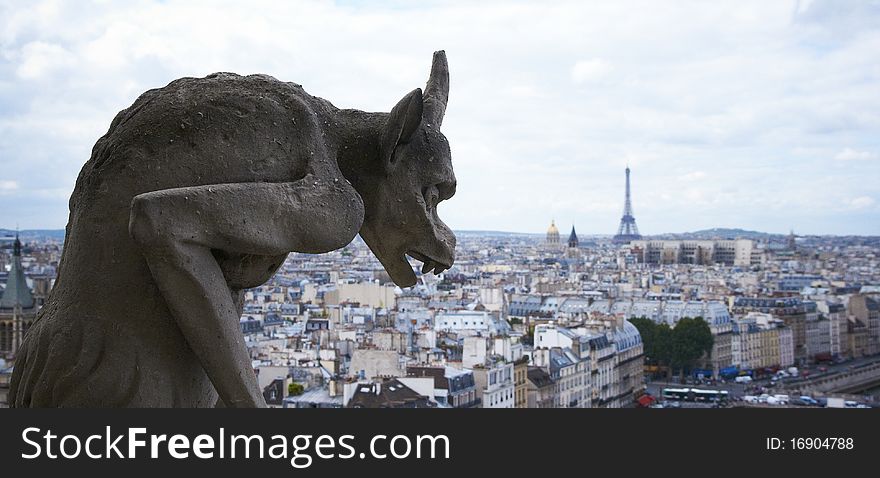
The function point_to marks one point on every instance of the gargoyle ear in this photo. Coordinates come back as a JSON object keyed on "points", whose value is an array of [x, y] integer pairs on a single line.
{"points": [[437, 90], [403, 121]]}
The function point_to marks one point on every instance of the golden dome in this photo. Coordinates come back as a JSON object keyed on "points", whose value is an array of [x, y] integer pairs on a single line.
{"points": [[552, 229]]}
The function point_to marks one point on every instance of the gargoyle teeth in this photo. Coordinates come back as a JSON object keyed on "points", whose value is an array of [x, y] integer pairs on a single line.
{"points": [[428, 264]]}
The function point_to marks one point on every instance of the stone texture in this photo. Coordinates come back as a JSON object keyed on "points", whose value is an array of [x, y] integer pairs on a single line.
{"points": [[199, 190]]}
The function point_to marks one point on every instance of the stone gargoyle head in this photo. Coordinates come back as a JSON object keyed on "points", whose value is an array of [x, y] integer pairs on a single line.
{"points": [[413, 177]]}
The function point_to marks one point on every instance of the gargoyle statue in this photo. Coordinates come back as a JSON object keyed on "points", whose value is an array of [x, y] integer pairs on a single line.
{"points": [[198, 191]]}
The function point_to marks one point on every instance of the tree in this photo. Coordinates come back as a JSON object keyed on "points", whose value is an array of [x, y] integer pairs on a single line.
{"points": [[663, 344], [680, 347], [647, 329], [656, 341], [691, 339], [294, 389]]}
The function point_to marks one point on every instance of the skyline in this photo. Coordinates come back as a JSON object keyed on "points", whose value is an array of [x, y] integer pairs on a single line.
{"points": [[735, 114], [10, 233]]}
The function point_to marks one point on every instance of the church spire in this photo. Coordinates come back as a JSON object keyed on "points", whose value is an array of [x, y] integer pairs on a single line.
{"points": [[572, 238], [17, 292], [16, 246]]}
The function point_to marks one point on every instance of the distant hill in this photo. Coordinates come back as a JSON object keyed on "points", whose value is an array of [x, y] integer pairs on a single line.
{"points": [[720, 233], [34, 234], [495, 233], [715, 233]]}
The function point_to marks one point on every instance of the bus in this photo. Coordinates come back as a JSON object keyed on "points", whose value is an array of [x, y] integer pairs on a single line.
{"points": [[695, 395], [702, 395], [676, 394]]}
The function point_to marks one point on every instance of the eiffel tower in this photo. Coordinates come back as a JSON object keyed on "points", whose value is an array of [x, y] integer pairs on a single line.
{"points": [[628, 231]]}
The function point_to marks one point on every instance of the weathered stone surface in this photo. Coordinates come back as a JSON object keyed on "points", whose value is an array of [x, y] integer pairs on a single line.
{"points": [[199, 190]]}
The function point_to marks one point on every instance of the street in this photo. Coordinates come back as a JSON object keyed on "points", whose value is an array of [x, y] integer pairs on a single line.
{"points": [[738, 390]]}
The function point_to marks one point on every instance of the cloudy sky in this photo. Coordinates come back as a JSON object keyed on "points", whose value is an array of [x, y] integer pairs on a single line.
{"points": [[754, 114]]}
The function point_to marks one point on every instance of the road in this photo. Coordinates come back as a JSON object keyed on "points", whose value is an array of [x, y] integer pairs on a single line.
{"points": [[738, 390]]}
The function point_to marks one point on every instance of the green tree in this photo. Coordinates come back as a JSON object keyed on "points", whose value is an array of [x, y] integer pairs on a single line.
{"points": [[294, 389], [656, 341], [663, 345], [647, 329], [691, 339]]}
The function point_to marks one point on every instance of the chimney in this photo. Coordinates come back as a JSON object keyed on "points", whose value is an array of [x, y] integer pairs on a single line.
{"points": [[378, 388]]}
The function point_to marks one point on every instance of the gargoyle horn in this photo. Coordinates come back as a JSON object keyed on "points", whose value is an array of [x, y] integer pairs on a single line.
{"points": [[437, 90]]}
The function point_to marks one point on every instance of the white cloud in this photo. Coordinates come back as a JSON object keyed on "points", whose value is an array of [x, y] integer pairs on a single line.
{"points": [[849, 154], [7, 186], [585, 71], [523, 92], [694, 176], [739, 110], [861, 202], [38, 59]]}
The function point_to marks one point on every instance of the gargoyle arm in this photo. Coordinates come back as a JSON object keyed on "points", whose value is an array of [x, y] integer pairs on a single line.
{"points": [[177, 230]]}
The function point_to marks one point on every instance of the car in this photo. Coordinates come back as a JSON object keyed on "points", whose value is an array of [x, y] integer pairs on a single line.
{"points": [[674, 405], [862, 405], [807, 400], [850, 404], [823, 369], [781, 398], [743, 379], [750, 399], [772, 400], [762, 398]]}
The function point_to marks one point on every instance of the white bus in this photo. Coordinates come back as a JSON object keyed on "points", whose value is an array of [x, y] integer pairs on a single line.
{"points": [[695, 394]]}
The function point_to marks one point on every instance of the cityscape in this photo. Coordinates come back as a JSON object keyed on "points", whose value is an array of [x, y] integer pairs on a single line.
{"points": [[582, 208], [713, 318], [643, 205]]}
